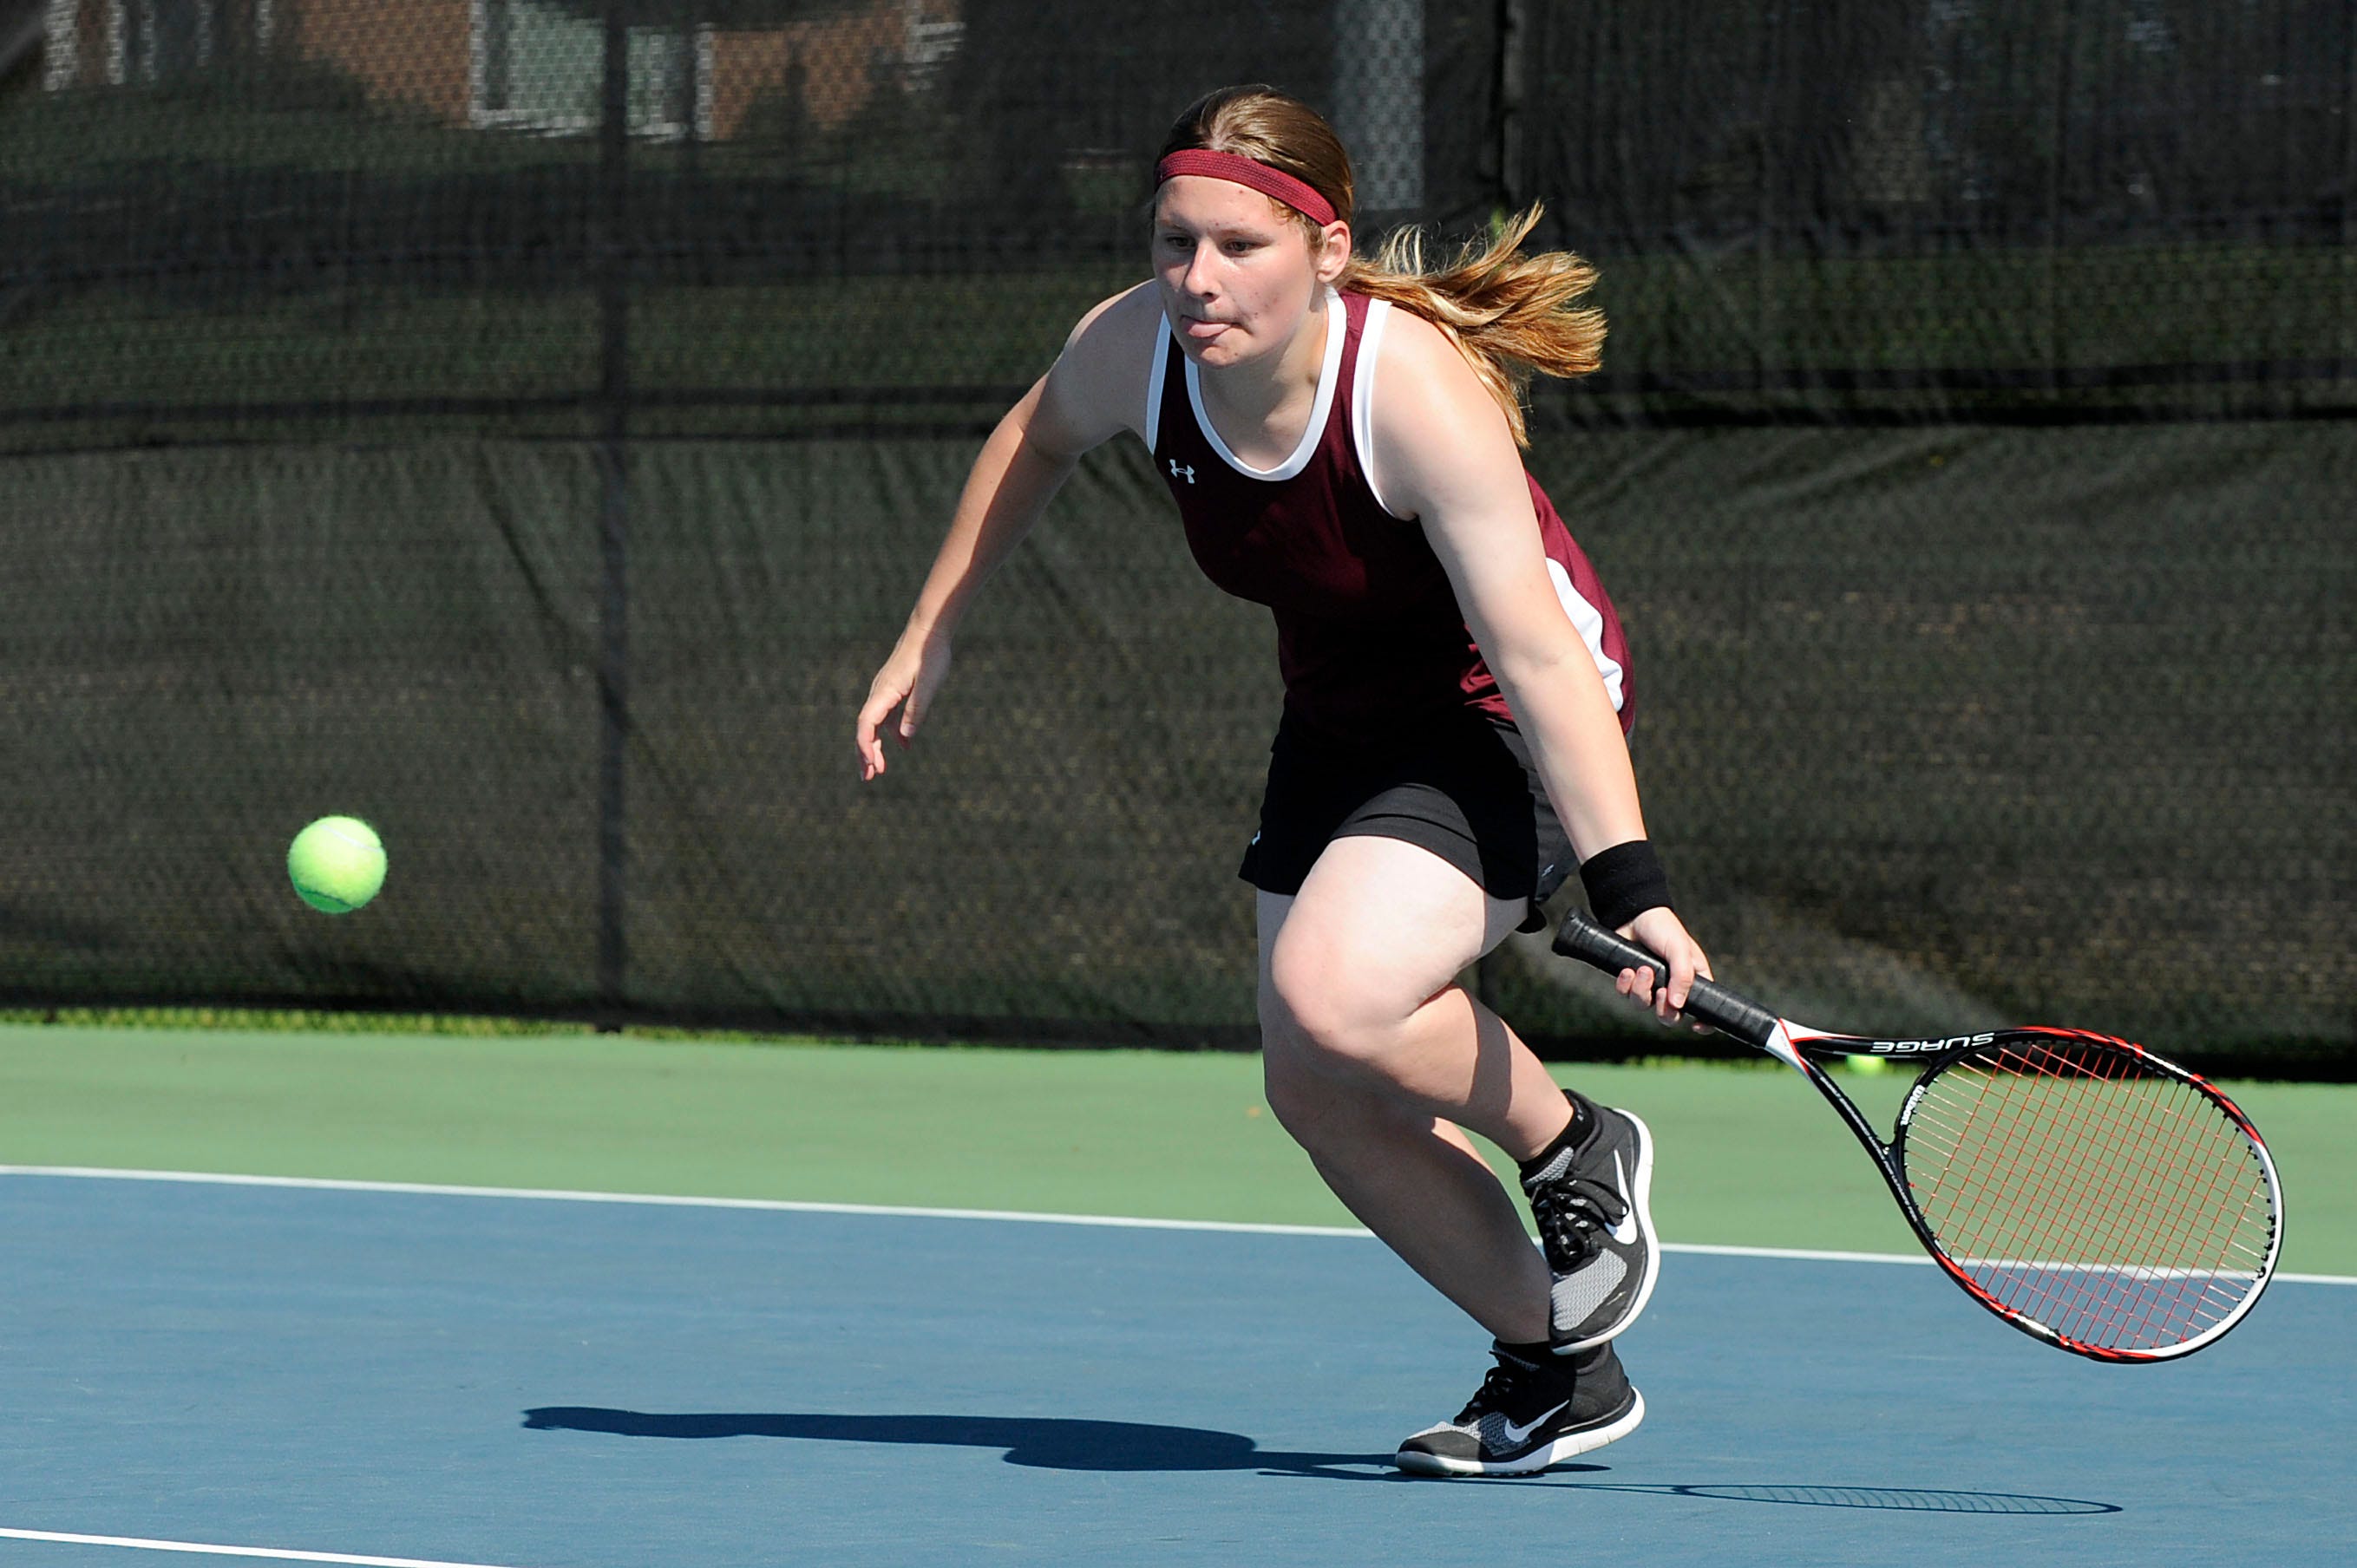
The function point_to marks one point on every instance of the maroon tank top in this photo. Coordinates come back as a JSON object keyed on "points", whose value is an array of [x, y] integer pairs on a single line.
{"points": [[1369, 634]]}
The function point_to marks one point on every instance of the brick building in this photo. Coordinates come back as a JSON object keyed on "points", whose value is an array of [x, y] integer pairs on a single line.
{"points": [[524, 65]]}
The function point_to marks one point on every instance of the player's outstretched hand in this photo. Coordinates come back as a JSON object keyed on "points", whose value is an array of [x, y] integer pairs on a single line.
{"points": [[909, 678], [1660, 930]]}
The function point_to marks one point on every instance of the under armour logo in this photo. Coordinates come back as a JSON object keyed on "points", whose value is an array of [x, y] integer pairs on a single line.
{"points": [[1176, 470]]}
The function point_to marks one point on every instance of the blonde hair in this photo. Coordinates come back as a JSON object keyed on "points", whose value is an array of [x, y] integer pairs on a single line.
{"points": [[1509, 314]]}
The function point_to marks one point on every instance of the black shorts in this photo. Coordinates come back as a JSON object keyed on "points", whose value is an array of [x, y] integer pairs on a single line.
{"points": [[1463, 789]]}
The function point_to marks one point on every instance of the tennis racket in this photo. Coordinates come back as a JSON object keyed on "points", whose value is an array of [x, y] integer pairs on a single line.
{"points": [[2086, 1190]]}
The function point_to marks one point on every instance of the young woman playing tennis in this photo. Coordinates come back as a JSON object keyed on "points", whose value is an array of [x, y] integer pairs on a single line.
{"points": [[1341, 438]]}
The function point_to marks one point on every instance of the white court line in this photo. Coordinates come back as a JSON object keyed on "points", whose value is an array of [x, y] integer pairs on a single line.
{"points": [[204, 1550], [329, 1184], [778, 1204]]}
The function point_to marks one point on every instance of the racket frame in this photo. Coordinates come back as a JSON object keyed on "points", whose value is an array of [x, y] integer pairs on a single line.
{"points": [[1804, 1049]]}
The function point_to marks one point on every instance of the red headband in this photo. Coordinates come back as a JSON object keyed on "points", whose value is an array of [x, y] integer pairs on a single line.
{"points": [[1241, 171]]}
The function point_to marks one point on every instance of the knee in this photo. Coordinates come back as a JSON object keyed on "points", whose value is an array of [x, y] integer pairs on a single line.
{"points": [[1324, 1013]]}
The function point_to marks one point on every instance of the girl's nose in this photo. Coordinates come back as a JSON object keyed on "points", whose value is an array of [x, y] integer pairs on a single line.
{"points": [[1198, 270]]}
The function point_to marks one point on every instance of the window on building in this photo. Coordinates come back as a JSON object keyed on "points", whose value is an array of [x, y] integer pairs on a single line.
{"points": [[540, 66]]}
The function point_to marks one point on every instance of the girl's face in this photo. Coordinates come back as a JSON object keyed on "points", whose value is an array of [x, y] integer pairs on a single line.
{"points": [[1237, 274]]}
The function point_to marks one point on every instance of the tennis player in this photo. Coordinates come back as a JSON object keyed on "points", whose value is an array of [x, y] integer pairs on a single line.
{"points": [[1341, 436]]}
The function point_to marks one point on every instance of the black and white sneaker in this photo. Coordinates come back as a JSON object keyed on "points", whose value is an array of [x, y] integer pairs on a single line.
{"points": [[1591, 1205], [1530, 1412]]}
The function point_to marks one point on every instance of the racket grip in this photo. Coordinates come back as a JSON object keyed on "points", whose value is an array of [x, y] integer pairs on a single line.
{"points": [[1724, 1010]]}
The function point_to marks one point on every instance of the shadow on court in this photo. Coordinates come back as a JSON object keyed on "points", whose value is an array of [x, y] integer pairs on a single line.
{"points": [[1905, 1499], [1048, 1443], [1044, 1443], [1887, 1500]]}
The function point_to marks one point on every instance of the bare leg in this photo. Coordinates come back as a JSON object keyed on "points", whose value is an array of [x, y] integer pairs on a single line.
{"points": [[1375, 1059]]}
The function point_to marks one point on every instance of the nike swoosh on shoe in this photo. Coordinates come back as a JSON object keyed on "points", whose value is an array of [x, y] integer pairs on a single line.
{"points": [[1625, 1232], [1518, 1435]]}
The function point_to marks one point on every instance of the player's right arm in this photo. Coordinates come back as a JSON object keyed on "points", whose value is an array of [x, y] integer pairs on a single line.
{"points": [[1094, 391]]}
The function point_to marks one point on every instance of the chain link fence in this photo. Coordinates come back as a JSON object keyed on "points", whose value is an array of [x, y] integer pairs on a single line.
{"points": [[525, 423]]}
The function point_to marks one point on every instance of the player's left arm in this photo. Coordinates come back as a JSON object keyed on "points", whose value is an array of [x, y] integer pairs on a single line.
{"points": [[1443, 455]]}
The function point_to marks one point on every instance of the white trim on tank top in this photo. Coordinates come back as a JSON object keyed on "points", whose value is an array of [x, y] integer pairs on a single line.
{"points": [[1154, 381], [1362, 399], [1589, 621], [1338, 324]]}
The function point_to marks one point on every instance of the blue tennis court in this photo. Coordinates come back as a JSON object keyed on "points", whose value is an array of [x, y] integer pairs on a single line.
{"points": [[523, 1381]]}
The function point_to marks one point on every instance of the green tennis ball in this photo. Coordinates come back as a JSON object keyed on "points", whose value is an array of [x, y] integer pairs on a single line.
{"points": [[1868, 1064], [336, 863]]}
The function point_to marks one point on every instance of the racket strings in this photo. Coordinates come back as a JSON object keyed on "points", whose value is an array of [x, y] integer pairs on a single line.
{"points": [[2076, 1303], [2112, 1203], [2081, 1304], [2066, 1300]]}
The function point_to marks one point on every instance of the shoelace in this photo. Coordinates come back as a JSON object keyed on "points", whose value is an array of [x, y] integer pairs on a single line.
{"points": [[1569, 1214], [1496, 1389]]}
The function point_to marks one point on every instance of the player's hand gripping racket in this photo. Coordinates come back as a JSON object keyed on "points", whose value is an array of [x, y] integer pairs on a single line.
{"points": [[2080, 1187]]}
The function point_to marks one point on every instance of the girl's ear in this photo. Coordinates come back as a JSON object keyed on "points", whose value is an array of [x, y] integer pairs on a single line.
{"points": [[1332, 251]]}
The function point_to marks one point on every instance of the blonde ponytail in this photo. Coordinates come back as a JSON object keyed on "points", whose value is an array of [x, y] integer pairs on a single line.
{"points": [[1508, 314]]}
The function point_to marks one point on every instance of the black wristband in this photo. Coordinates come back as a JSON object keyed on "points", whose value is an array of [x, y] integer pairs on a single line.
{"points": [[1623, 882]]}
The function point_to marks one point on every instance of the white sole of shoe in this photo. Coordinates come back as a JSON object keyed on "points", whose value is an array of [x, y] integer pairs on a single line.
{"points": [[1642, 1208], [1538, 1459]]}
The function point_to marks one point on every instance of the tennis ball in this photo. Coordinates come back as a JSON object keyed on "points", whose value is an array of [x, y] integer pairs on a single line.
{"points": [[336, 863], [1870, 1064]]}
